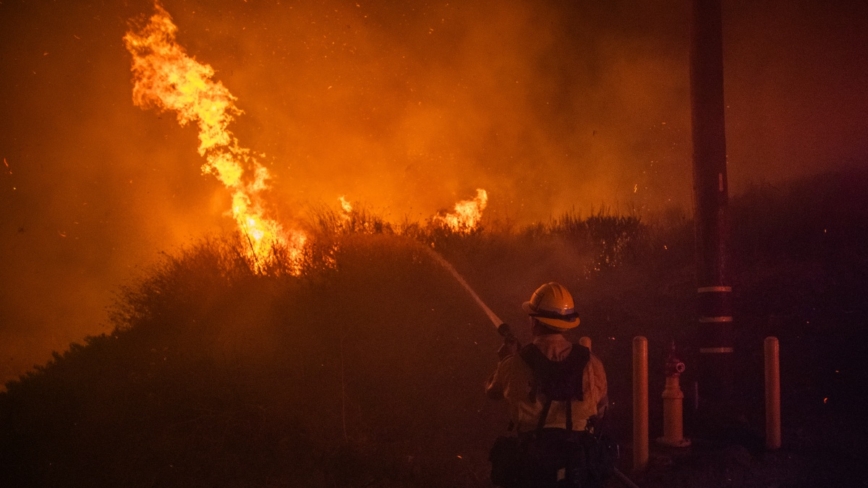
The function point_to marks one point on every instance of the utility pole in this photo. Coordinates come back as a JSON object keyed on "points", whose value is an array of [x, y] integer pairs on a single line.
{"points": [[711, 203]]}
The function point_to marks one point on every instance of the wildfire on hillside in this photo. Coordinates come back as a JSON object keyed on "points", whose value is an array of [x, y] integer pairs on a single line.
{"points": [[467, 214], [166, 78]]}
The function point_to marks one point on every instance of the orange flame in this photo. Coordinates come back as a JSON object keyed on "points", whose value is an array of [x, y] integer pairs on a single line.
{"points": [[167, 79], [346, 206], [467, 214]]}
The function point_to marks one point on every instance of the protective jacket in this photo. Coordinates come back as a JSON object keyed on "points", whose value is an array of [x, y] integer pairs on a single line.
{"points": [[514, 380]]}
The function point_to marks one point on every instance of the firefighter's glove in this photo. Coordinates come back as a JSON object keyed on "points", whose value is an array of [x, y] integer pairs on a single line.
{"points": [[510, 346]]}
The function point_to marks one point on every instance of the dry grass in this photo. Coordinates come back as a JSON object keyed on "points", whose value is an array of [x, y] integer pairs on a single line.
{"points": [[365, 370]]}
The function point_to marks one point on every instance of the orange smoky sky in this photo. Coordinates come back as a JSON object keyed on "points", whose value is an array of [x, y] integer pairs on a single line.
{"points": [[404, 107]]}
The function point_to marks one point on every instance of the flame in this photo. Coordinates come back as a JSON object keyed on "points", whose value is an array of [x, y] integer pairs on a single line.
{"points": [[167, 79], [467, 214], [346, 205]]}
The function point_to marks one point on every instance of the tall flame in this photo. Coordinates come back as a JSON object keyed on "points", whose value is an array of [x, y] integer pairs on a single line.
{"points": [[467, 213], [167, 79]]}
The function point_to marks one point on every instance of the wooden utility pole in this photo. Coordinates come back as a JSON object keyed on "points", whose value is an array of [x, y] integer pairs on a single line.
{"points": [[711, 202]]}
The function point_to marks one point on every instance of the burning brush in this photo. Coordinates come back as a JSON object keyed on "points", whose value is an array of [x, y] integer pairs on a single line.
{"points": [[166, 78]]}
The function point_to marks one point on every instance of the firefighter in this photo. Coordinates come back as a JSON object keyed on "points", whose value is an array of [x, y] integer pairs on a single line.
{"points": [[555, 390]]}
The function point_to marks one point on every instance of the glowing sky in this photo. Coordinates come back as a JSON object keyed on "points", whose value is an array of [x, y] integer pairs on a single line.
{"points": [[408, 107]]}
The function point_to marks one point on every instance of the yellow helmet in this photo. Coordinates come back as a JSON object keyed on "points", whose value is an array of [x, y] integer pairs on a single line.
{"points": [[553, 305]]}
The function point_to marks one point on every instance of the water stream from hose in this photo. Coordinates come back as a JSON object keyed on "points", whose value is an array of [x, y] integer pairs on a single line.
{"points": [[448, 266]]}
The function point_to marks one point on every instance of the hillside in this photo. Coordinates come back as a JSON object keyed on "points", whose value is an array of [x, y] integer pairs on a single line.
{"points": [[367, 369]]}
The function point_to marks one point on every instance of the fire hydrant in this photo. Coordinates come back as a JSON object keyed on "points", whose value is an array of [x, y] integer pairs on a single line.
{"points": [[673, 398]]}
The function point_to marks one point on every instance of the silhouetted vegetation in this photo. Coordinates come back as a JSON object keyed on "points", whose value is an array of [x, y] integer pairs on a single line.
{"points": [[366, 369]]}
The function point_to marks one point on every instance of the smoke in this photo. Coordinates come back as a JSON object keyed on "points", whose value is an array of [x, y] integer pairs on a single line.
{"points": [[424, 104], [407, 107]]}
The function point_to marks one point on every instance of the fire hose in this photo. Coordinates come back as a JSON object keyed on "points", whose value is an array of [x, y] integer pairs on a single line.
{"points": [[501, 326]]}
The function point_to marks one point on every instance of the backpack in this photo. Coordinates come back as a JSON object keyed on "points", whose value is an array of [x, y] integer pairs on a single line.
{"points": [[536, 458], [558, 380]]}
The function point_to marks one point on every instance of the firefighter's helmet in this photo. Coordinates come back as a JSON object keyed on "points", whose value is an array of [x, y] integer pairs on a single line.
{"points": [[553, 305]]}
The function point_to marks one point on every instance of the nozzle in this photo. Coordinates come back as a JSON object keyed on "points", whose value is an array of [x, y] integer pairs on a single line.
{"points": [[504, 330]]}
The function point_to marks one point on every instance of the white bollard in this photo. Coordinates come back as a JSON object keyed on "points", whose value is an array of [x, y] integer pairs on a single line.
{"points": [[773, 393], [640, 402]]}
